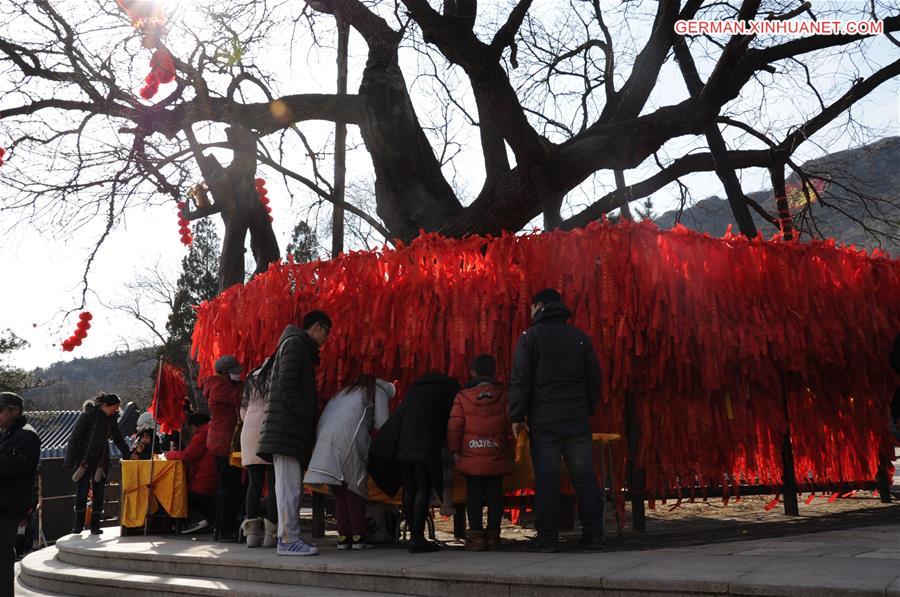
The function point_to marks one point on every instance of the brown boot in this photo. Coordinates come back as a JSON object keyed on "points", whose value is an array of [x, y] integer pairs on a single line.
{"points": [[475, 541], [492, 540]]}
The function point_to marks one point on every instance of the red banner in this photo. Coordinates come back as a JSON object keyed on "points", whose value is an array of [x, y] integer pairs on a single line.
{"points": [[167, 407]]}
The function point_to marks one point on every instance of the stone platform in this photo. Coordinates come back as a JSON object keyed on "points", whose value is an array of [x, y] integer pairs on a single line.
{"points": [[863, 561]]}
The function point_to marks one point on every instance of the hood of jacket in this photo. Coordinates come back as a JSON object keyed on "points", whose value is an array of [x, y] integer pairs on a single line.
{"points": [[436, 379], [296, 331], [555, 312], [88, 406], [387, 387], [484, 393]]}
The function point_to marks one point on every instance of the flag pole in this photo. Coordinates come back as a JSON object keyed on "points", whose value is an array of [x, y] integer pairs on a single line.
{"points": [[155, 404]]}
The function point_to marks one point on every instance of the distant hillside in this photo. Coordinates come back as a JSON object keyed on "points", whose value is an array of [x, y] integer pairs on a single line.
{"points": [[128, 374], [873, 170]]}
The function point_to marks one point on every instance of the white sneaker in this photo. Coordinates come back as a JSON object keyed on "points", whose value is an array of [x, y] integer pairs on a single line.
{"points": [[197, 526], [297, 548]]}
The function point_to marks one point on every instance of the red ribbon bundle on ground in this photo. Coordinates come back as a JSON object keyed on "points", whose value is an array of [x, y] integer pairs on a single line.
{"points": [[167, 407], [711, 336], [84, 324]]}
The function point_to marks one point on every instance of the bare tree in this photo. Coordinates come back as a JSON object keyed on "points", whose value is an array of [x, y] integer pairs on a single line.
{"points": [[555, 99]]}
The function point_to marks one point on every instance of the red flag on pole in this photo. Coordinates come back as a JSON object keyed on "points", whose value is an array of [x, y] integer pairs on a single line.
{"points": [[168, 397]]}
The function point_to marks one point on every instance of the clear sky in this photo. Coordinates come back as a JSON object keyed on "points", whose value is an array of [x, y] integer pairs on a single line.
{"points": [[42, 266]]}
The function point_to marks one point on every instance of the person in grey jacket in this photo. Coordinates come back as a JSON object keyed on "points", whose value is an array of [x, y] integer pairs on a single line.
{"points": [[340, 458], [288, 430], [555, 385]]}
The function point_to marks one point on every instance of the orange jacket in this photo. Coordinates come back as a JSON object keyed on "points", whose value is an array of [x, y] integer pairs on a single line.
{"points": [[479, 432]]}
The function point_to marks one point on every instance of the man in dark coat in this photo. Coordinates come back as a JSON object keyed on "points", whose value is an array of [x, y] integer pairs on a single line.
{"points": [[555, 386], [287, 436], [20, 451], [414, 437]]}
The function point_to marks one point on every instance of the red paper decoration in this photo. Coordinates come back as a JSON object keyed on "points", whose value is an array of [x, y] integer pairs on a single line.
{"points": [[184, 227], [711, 336], [2, 153], [263, 196], [84, 324], [162, 71]]}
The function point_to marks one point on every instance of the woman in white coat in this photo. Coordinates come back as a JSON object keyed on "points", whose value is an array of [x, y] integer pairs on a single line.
{"points": [[341, 455], [260, 532]]}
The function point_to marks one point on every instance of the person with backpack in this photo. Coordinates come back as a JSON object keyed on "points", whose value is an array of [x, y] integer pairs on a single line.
{"points": [[88, 453], [288, 430], [340, 458], [260, 532], [479, 435]]}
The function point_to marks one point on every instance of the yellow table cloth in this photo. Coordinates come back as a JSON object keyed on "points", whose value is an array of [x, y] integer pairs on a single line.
{"points": [[169, 490]]}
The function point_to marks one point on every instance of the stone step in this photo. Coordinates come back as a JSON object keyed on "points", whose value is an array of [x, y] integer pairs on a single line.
{"points": [[42, 574]]}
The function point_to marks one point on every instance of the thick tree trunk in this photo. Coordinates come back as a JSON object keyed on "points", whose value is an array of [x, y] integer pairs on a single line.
{"points": [[410, 189], [235, 198]]}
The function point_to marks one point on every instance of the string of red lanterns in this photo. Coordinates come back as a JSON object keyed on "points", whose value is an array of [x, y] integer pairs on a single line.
{"points": [[184, 227], [263, 196], [84, 324]]}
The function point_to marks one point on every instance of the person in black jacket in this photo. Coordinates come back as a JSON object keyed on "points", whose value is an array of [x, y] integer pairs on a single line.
{"points": [[20, 452], [555, 386], [414, 437], [287, 436], [88, 453]]}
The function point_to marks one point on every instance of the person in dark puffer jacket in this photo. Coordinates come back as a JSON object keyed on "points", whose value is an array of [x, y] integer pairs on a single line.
{"points": [[88, 453], [555, 385], [479, 435], [20, 452], [223, 395], [287, 437]]}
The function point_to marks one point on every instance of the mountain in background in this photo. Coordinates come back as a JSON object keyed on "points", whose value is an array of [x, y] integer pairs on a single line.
{"points": [[872, 170], [128, 374]]}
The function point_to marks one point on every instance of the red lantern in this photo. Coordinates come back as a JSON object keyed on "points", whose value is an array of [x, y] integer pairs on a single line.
{"points": [[80, 334]]}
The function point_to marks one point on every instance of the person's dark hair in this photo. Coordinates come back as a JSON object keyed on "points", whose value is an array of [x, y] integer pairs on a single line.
{"points": [[198, 419], [547, 295], [366, 383], [259, 380], [314, 317], [484, 365], [104, 399]]}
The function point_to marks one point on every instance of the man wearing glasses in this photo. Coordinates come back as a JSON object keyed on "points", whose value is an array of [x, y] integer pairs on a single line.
{"points": [[288, 431]]}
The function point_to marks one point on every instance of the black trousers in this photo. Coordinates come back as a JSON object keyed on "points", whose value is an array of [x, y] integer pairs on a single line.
{"points": [[228, 496], [416, 497], [481, 490], [260, 475], [9, 529]]}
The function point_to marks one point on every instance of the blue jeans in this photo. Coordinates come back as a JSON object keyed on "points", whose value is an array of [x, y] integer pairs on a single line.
{"points": [[548, 445]]}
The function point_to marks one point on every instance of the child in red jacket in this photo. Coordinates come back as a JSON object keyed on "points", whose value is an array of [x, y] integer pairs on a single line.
{"points": [[479, 434]]}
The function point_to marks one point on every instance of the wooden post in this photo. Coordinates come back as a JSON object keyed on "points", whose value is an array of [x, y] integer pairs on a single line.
{"points": [[340, 141], [635, 475], [883, 479]]}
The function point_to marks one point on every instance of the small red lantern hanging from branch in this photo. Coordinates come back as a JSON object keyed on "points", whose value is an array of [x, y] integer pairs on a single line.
{"points": [[264, 196], [2, 153], [84, 324], [184, 225], [162, 71]]}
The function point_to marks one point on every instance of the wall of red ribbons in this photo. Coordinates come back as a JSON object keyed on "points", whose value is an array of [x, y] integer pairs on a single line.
{"points": [[711, 335]]}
